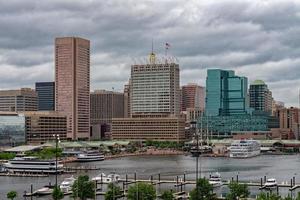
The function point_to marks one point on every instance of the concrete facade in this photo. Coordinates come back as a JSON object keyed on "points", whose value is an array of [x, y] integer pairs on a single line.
{"points": [[72, 84], [192, 97], [149, 128], [155, 88], [41, 126], [105, 105], [24, 99]]}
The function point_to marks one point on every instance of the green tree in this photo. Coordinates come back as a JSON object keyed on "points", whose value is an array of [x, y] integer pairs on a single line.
{"points": [[203, 190], [57, 194], [113, 192], [7, 156], [287, 198], [298, 196], [141, 191], [83, 188], [267, 196], [167, 195], [11, 195], [237, 191]]}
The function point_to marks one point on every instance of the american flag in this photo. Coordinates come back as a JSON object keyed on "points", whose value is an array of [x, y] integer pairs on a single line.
{"points": [[168, 45]]}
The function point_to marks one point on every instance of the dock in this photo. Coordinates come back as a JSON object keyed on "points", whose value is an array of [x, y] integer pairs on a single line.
{"points": [[81, 168], [24, 174]]}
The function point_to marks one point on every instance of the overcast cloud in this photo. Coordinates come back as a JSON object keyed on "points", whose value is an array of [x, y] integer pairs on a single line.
{"points": [[257, 38]]}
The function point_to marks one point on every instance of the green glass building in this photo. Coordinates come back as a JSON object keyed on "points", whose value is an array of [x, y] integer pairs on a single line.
{"points": [[227, 106], [226, 93]]}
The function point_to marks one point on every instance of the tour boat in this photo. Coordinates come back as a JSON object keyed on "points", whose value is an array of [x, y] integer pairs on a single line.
{"points": [[90, 156], [215, 180], [271, 183], [66, 185], [32, 165], [244, 149]]}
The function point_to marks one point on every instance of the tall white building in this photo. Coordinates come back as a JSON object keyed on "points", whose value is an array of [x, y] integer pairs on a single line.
{"points": [[155, 88]]}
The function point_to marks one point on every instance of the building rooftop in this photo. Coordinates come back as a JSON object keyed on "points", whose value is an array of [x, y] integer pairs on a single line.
{"points": [[258, 82], [23, 148]]}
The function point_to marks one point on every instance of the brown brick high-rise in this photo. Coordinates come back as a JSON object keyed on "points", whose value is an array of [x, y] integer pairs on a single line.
{"points": [[72, 84]]}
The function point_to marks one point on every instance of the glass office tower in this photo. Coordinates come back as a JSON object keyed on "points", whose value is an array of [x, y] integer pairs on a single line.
{"points": [[45, 91], [226, 93]]}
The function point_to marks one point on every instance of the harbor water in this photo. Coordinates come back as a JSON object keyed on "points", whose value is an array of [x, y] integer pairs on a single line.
{"points": [[281, 167]]}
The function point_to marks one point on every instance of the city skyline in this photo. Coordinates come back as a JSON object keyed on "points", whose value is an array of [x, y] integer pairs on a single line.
{"points": [[222, 35]]}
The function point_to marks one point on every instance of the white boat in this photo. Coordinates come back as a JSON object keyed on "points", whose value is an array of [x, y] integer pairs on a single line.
{"points": [[90, 156], [114, 177], [271, 183], [66, 185], [102, 178], [32, 165], [215, 180], [44, 191], [244, 149]]}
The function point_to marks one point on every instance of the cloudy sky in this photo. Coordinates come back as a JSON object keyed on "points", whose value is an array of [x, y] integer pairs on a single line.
{"points": [[259, 39]]}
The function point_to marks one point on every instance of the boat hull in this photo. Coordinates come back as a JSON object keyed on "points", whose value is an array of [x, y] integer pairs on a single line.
{"points": [[244, 155]]}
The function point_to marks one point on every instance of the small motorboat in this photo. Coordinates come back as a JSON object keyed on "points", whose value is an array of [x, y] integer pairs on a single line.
{"points": [[102, 178], [44, 191], [66, 185], [215, 180], [271, 183], [114, 177]]}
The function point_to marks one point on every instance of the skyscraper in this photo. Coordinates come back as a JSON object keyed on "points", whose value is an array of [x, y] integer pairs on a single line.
{"points": [[226, 93], [155, 88], [154, 94], [192, 96], [260, 97], [72, 84], [45, 91]]}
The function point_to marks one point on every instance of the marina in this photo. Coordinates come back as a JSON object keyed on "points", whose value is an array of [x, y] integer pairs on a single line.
{"points": [[251, 170]]}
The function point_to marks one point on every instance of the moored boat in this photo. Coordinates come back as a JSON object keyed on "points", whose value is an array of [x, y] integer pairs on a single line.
{"points": [[32, 165], [244, 149], [111, 178], [90, 156], [270, 183], [215, 180], [66, 185]]}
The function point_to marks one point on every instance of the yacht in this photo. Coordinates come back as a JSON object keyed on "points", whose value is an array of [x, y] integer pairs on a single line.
{"points": [[271, 183], [102, 178], [244, 149], [90, 156], [66, 185], [32, 165], [215, 180]]}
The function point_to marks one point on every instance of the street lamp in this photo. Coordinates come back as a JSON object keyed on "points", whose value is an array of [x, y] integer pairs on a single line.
{"points": [[56, 157], [194, 126]]}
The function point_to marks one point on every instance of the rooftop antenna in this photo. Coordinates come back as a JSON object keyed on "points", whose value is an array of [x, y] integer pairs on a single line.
{"points": [[152, 55], [167, 46]]}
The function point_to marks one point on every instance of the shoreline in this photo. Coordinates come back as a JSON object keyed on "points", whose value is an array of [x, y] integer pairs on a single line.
{"points": [[148, 153]]}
